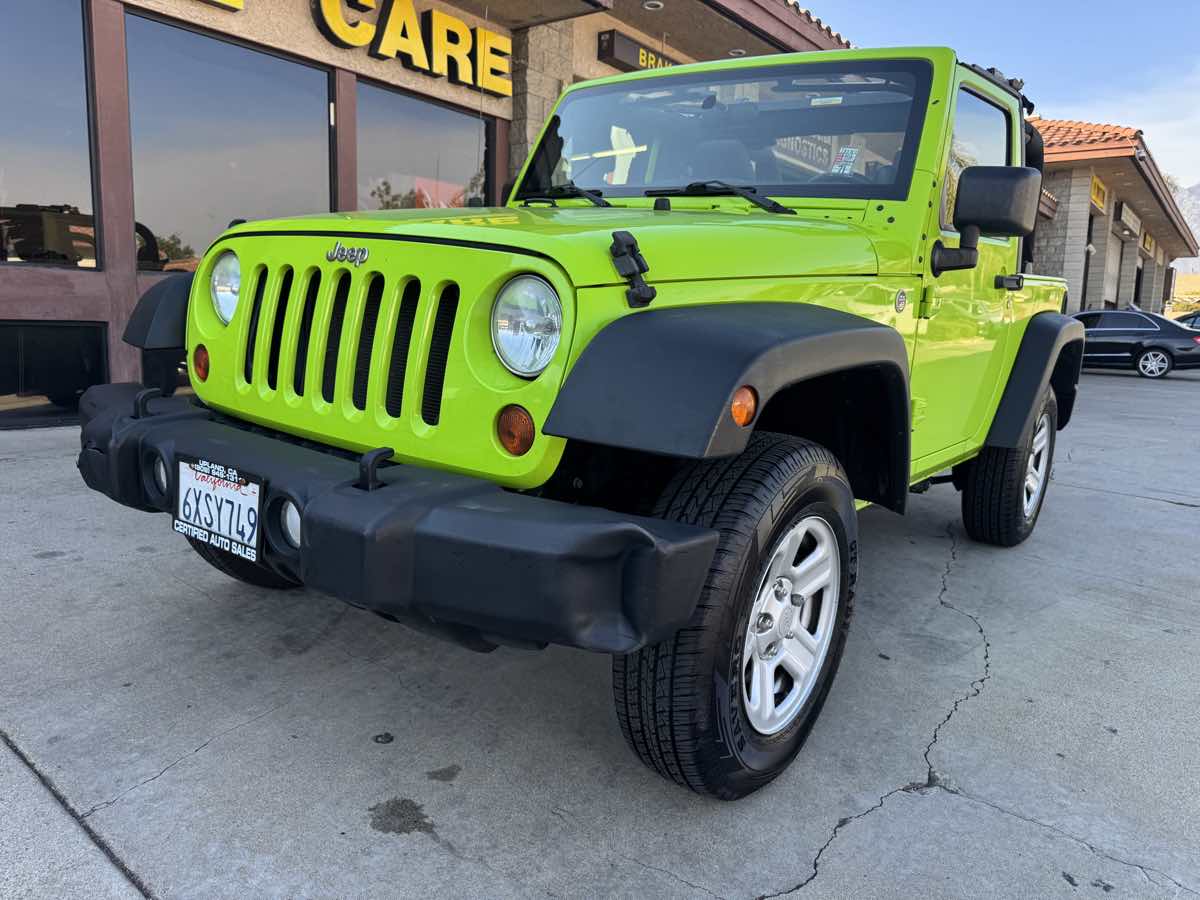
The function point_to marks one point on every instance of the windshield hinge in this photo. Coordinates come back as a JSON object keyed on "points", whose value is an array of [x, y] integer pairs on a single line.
{"points": [[631, 266]]}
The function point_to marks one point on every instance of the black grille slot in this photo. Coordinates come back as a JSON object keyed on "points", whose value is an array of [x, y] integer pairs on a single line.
{"points": [[281, 305], [366, 340], [439, 350], [306, 323], [337, 317], [252, 337], [400, 344]]}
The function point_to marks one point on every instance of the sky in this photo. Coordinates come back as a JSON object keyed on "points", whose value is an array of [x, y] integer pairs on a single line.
{"points": [[1127, 63]]}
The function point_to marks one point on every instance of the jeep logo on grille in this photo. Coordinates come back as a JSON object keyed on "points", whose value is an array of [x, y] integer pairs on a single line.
{"points": [[356, 255]]}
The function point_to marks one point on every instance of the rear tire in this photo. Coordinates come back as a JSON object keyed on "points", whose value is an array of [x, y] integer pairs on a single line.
{"points": [[716, 707], [1000, 505], [1154, 363], [241, 569]]}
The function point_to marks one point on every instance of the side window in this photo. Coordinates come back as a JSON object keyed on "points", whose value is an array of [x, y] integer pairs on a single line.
{"points": [[1091, 320], [1128, 322], [981, 138]]}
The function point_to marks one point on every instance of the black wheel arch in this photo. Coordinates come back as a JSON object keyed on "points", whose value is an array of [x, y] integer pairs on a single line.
{"points": [[1051, 354], [661, 381]]}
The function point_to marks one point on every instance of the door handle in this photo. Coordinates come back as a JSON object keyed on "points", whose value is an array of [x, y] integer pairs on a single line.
{"points": [[1010, 282]]}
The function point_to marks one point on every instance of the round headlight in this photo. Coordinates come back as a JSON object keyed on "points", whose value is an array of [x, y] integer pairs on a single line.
{"points": [[526, 325], [226, 285]]}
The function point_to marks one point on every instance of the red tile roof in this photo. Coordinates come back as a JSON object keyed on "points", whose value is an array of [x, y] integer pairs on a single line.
{"points": [[1066, 139]]}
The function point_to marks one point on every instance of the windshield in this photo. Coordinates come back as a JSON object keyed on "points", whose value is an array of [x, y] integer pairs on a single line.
{"points": [[806, 130]]}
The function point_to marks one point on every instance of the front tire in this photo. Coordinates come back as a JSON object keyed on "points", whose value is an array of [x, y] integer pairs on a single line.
{"points": [[1006, 487], [1154, 363], [724, 705], [241, 569]]}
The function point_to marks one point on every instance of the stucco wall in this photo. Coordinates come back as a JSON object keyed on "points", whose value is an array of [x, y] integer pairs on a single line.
{"points": [[288, 25]]}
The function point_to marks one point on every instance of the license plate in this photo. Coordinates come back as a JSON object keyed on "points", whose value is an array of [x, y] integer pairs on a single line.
{"points": [[219, 505]]}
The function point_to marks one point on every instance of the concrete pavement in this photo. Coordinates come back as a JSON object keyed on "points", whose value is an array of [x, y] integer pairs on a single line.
{"points": [[1007, 723]]}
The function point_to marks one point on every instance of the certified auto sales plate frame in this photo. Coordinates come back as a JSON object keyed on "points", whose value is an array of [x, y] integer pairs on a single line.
{"points": [[219, 505]]}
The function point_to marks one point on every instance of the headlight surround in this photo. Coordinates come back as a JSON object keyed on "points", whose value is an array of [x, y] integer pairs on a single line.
{"points": [[526, 325], [225, 285]]}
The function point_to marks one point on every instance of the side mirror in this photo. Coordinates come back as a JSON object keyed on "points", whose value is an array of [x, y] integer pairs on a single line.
{"points": [[996, 201]]}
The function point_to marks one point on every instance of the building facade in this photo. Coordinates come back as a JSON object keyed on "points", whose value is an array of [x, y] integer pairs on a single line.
{"points": [[1109, 223], [134, 131]]}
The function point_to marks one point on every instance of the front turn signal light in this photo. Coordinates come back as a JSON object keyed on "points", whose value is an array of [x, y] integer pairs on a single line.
{"points": [[515, 429], [744, 405], [200, 362]]}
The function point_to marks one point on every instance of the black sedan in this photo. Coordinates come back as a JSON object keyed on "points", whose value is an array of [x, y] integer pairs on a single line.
{"points": [[1149, 344]]}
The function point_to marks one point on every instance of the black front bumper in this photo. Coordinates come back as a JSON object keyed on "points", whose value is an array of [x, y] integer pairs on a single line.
{"points": [[453, 551]]}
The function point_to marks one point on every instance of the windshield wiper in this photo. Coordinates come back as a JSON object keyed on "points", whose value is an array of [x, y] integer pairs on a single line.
{"points": [[567, 191], [722, 189]]}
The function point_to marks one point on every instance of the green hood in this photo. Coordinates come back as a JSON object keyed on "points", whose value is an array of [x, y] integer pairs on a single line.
{"points": [[680, 245]]}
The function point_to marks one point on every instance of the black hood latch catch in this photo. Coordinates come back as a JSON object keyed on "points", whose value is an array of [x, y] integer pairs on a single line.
{"points": [[631, 266]]}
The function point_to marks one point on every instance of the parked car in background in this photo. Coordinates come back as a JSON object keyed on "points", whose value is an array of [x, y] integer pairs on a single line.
{"points": [[1191, 320], [1150, 344]]}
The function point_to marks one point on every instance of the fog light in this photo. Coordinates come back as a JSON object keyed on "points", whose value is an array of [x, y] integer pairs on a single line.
{"points": [[289, 523], [160, 475], [515, 429], [744, 405], [200, 362]]}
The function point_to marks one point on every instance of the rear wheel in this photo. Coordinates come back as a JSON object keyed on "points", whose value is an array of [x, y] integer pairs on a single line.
{"points": [[1154, 363], [724, 705], [241, 569], [1005, 487]]}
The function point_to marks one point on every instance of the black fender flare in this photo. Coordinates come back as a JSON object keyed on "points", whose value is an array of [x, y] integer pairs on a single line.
{"points": [[661, 381], [159, 321], [1051, 353]]}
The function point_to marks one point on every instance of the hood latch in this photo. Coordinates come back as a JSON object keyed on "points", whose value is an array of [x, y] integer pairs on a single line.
{"points": [[631, 266]]}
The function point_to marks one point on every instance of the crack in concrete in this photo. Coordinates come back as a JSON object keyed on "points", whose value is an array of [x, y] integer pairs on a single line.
{"points": [[107, 803], [94, 836], [842, 823], [1083, 842], [672, 875], [976, 686], [933, 780], [1085, 487]]}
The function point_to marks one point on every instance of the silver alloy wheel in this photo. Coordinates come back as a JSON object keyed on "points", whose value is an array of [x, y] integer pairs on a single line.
{"points": [[1153, 364], [1037, 470], [791, 624]]}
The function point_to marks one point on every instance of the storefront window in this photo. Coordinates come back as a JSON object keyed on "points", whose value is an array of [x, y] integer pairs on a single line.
{"points": [[220, 132], [415, 154], [45, 155]]}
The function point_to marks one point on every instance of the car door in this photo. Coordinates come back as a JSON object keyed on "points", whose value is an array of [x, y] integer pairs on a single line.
{"points": [[1120, 335], [960, 344]]}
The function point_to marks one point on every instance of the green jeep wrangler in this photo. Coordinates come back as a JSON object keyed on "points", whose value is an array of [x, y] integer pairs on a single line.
{"points": [[636, 409]]}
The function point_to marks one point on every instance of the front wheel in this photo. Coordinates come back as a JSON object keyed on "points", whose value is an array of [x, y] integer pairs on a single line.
{"points": [[724, 705], [1154, 363], [1005, 486]]}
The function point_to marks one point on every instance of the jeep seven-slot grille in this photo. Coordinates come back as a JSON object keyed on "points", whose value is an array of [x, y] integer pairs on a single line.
{"points": [[322, 306]]}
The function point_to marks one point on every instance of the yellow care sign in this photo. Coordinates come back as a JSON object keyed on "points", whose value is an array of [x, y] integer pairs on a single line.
{"points": [[433, 42]]}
